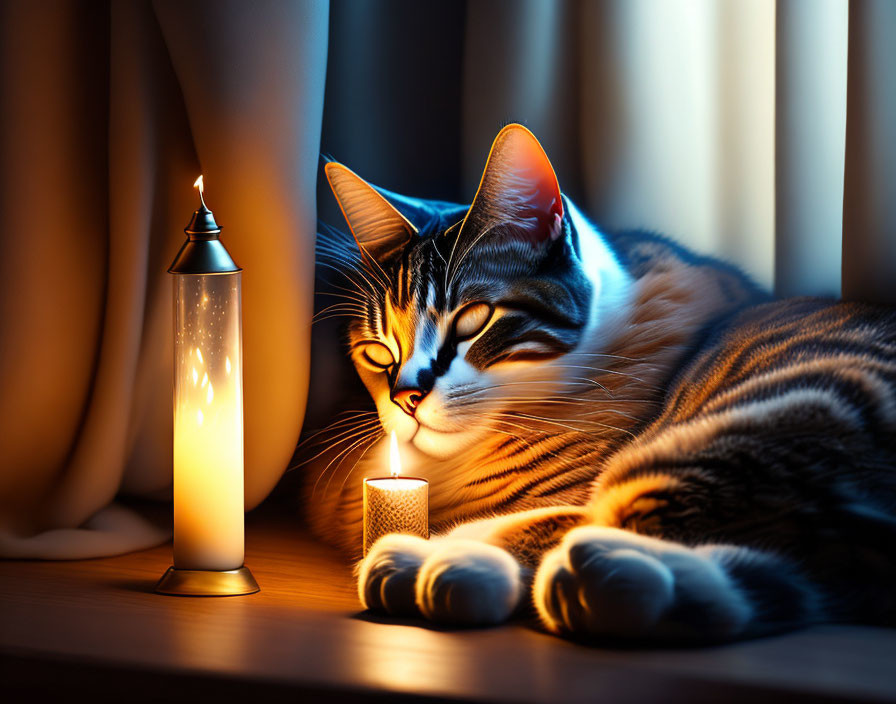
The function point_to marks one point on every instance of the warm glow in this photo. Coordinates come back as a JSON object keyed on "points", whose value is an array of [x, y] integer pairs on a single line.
{"points": [[198, 184], [399, 658], [208, 425], [394, 457]]}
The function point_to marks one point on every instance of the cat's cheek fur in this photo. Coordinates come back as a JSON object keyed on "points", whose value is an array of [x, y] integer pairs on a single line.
{"points": [[445, 445]]}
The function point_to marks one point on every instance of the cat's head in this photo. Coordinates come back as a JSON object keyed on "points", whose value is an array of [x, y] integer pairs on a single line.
{"points": [[454, 331]]}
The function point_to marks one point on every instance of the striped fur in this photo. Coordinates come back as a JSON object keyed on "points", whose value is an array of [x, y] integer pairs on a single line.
{"points": [[637, 436]]}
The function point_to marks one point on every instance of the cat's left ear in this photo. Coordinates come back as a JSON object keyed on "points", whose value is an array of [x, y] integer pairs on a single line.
{"points": [[376, 224], [518, 196]]}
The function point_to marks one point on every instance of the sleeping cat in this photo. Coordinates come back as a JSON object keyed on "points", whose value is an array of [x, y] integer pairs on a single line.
{"points": [[627, 436]]}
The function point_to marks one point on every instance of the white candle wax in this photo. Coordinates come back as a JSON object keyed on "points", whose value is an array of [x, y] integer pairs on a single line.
{"points": [[208, 423]]}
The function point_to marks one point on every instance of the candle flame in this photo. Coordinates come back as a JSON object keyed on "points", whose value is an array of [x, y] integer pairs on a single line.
{"points": [[394, 457], [199, 354], [227, 364], [200, 184]]}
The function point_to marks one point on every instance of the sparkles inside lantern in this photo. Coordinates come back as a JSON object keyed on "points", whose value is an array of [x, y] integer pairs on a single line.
{"points": [[208, 417]]}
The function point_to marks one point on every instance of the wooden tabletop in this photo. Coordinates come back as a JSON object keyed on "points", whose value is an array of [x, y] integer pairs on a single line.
{"points": [[96, 627]]}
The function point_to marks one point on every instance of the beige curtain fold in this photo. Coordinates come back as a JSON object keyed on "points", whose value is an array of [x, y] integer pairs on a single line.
{"points": [[109, 113], [810, 126], [690, 153]]}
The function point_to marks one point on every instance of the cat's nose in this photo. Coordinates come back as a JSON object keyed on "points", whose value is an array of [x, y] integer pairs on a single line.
{"points": [[408, 399]]}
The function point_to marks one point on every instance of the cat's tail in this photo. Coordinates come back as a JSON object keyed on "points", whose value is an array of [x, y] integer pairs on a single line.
{"points": [[612, 583]]}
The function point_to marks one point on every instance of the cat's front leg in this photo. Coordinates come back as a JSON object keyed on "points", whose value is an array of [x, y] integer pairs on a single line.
{"points": [[477, 574]]}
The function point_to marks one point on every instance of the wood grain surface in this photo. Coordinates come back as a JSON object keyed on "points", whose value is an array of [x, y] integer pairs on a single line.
{"points": [[97, 628]]}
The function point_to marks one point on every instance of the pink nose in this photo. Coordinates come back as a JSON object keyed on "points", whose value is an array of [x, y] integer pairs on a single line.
{"points": [[408, 400]]}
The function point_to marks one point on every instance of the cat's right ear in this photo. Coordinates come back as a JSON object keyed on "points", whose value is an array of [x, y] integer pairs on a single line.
{"points": [[379, 229]]}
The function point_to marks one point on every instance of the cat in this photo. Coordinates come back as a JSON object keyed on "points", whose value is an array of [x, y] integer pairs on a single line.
{"points": [[634, 440]]}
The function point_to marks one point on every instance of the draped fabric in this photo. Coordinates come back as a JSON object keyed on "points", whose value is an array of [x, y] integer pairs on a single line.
{"points": [[760, 131], [110, 111]]}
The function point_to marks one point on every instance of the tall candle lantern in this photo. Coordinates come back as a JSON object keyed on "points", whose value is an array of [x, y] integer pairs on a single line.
{"points": [[208, 417]]}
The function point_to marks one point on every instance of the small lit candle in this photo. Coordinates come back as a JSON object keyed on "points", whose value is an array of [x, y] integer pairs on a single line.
{"points": [[395, 504]]}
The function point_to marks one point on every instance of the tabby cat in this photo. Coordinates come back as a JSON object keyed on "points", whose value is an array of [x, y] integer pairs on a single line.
{"points": [[633, 439]]}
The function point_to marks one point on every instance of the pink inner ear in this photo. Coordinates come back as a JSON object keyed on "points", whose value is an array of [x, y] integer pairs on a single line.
{"points": [[518, 197], [530, 188], [556, 226], [539, 217]]}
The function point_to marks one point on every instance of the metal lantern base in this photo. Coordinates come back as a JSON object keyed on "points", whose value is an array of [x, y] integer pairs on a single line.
{"points": [[207, 582]]}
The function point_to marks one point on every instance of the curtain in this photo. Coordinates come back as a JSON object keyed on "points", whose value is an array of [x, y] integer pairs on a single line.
{"points": [[762, 132], [110, 111]]}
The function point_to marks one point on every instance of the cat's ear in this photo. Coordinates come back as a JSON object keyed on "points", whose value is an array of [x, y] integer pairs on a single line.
{"points": [[518, 196], [377, 226]]}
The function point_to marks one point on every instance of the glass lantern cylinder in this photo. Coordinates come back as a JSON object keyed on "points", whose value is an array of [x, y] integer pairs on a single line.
{"points": [[208, 418], [208, 422]]}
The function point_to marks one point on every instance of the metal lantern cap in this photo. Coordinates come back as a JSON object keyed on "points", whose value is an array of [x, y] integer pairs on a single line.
{"points": [[203, 222], [203, 252]]}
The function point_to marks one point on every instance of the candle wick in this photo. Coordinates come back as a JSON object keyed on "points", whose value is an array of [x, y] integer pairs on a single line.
{"points": [[199, 184]]}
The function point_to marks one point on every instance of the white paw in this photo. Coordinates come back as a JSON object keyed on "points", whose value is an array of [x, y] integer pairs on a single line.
{"points": [[386, 576], [470, 583], [609, 582]]}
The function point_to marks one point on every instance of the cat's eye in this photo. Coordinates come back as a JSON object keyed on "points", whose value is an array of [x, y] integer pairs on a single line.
{"points": [[378, 355], [471, 320]]}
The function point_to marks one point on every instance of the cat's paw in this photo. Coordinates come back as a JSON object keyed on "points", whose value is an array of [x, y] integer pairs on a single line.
{"points": [[609, 582], [388, 574], [450, 581], [469, 583]]}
